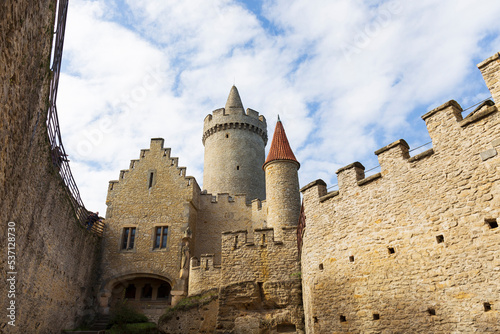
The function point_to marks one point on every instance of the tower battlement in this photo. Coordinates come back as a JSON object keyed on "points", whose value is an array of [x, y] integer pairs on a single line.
{"points": [[220, 120]]}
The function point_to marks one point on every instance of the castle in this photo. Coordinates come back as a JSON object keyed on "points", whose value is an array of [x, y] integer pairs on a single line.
{"points": [[413, 248], [167, 239]]}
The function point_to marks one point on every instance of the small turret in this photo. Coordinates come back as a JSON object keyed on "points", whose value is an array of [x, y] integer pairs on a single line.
{"points": [[282, 184]]}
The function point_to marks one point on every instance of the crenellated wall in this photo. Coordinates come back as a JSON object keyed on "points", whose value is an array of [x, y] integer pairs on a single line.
{"points": [[224, 213], [204, 275], [260, 287], [415, 248]]}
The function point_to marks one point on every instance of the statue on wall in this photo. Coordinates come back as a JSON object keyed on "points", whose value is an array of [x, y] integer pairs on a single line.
{"points": [[185, 256]]}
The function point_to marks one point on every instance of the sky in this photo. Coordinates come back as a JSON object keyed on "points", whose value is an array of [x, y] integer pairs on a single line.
{"points": [[347, 77]]}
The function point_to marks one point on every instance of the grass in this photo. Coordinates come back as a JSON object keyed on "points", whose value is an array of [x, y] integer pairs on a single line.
{"points": [[144, 327], [189, 303]]}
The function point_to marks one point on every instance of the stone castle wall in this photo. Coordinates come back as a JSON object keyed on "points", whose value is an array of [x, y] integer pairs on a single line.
{"points": [[413, 249], [56, 258], [153, 192], [203, 274], [260, 283], [222, 213]]}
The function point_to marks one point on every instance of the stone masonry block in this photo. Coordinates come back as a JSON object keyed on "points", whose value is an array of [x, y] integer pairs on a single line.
{"points": [[488, 154]]}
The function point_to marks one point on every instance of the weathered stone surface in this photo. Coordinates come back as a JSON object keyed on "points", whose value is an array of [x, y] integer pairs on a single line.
{"points": [[415, 250], [485, 155], [253, 307], [198, 314], [153, 193], [55, 256]]}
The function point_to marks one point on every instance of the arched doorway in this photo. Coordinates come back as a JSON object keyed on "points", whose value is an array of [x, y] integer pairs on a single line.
{"points": [[149, 295]]}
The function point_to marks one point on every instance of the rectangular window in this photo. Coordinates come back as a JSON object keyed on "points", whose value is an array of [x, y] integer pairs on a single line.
{"points": [[128, 238], [161, 234]]}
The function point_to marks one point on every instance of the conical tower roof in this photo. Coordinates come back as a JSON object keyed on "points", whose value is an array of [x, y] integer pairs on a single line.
{"points": [[234, 101], [280, 148]]}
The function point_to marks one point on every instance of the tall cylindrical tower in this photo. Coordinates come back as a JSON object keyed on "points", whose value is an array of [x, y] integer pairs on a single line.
{"points": [[282, 183], [234, 150]]}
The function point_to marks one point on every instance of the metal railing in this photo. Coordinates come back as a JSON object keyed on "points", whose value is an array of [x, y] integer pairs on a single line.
{"points": [[58, 153]]}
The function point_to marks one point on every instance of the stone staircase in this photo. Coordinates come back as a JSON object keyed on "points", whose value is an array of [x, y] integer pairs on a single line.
{"points": [[98, 327], [100, 323]]}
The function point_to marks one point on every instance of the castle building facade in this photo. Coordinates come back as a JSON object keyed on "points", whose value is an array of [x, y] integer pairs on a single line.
{"points": [[166, 238], [412, 249]]}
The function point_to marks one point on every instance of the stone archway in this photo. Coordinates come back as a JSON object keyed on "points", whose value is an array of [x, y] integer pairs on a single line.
{"points": [[148, 293]]}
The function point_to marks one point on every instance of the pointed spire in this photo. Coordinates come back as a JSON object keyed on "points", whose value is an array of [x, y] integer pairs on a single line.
{"points": [[234, 101], [280, 148]]}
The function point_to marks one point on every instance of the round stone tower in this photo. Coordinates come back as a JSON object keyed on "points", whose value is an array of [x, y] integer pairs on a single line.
{"points": [[234, 150], [282, 184]]}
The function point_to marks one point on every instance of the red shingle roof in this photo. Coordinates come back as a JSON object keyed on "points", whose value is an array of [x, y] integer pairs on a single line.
{"points": [[280, 148]]}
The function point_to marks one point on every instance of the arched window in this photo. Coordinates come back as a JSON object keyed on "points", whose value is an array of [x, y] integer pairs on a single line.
{"points": [[147, 291], [163, 291], [130, 291]]}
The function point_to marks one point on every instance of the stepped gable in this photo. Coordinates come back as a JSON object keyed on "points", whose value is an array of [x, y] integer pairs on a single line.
{"points": [[280, 148]]}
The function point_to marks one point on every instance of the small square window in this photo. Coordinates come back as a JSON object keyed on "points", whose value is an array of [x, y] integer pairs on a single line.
{"points": [[376, 316], [492, 223], [440, 239], [343, 318], [487, 307], [351, 258], [431, 311], [391, 250]]}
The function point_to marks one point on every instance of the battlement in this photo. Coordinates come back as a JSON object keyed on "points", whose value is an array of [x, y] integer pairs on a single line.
{"points": [[430, 218], [203, 274], [261, 258], [450, 133], [238, 200], [219, 120]]}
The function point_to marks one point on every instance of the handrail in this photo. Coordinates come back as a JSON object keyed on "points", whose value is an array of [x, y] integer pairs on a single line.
{"points": [[58, 153]]}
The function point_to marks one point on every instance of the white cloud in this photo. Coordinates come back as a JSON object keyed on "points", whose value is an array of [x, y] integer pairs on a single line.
{"points": [[346, 76]]}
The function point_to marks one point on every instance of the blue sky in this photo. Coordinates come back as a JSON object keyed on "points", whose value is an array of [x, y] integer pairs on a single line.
{"points": [[346, 76]]}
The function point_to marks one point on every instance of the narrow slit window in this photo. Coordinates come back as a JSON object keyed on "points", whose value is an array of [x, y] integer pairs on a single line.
{"points": [[151, 177], [237, 167], [321, 266]]}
